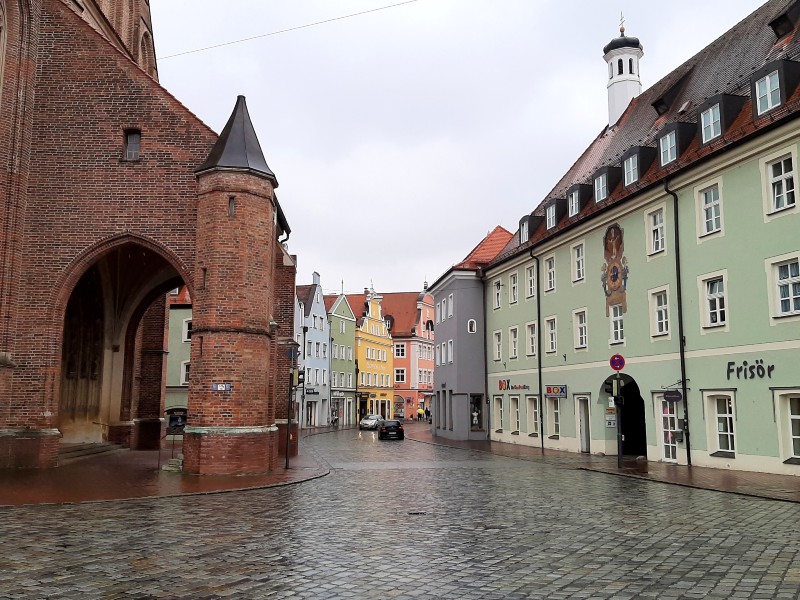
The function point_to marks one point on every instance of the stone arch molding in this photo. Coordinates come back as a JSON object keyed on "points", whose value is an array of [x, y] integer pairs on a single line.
{"points": [[63, 288]]}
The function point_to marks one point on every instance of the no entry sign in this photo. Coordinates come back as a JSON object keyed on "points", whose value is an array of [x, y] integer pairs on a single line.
{"points": [[617, 362]]}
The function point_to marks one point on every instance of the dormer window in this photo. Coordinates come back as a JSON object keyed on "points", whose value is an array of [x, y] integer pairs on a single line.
{"points": [[601, 187], [523, 232], [551, 216], [573, 203], [768, 92], [631, 168], [668, 147], [710, 123]]}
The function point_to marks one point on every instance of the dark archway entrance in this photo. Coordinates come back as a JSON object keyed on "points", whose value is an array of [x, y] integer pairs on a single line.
{"points": [[634, 429], [112, 359]]}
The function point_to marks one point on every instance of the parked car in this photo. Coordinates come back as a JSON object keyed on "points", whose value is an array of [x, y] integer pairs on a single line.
{"points": [[370, 422], [391, 430]]}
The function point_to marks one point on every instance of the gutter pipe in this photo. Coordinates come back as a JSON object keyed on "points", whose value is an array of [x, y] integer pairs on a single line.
{"points": [[539, 349]]}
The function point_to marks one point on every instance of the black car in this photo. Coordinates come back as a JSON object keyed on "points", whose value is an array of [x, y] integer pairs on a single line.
{"points": [[391, 430]]}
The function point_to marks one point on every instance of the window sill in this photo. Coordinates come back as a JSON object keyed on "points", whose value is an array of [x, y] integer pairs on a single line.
{"points": [[533, 435], [617, 343], [715, 326], [792, 461], [723, 454], [707, 234], [656, 252], [660, 335], [552, 437], [498, 431], [515, 433]]}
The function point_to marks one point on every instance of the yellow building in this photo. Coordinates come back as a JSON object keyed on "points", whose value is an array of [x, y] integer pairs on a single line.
{"points": [[374, 360]]}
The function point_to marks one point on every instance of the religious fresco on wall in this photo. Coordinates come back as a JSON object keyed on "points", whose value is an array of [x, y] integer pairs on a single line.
{"points": [[614, 277]]}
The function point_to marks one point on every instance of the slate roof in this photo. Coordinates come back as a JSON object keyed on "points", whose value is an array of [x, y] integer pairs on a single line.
{"points": [[724, 66], [305, 293], [238, 147]]}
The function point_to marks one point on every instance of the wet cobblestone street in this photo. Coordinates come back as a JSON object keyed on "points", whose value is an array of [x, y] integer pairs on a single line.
{"points": [[411, 520]]}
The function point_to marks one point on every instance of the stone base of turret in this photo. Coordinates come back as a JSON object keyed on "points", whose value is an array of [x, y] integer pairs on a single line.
{"points": [[230, 450]]}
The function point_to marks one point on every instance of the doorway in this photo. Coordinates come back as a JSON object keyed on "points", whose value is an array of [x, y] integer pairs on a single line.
{"points": [[634, 429], [583, 424]]}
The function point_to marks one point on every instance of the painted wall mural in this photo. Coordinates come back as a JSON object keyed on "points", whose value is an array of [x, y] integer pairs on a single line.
{"points": [[614, 277]]}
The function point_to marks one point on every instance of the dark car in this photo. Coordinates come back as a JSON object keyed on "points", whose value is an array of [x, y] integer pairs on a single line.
{"points": [[391, 430]]}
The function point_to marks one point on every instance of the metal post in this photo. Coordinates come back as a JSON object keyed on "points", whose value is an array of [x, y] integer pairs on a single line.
{"points": [[289, 415], [618, 405]]}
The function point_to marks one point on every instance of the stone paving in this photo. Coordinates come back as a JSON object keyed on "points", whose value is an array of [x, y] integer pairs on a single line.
{"points": [[410, 520]]}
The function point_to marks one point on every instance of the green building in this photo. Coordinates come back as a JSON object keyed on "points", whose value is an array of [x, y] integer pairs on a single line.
{"points": [[343, 362]]}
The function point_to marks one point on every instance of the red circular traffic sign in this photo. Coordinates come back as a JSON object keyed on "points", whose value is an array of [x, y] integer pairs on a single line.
{"points": [[617, 362]]}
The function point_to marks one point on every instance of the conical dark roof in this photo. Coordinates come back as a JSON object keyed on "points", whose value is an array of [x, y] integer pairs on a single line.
{"points": [[238, 147]]}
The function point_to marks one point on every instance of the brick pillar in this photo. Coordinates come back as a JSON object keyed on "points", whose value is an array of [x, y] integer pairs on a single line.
{"points": [[283, 312], [147, 418], [231, 425]]}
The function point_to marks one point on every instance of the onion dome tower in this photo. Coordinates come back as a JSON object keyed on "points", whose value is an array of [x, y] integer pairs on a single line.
{"points": [[622, 56]]}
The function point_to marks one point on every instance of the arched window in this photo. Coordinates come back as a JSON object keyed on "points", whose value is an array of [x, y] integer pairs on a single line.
{"points": [[610, 70], [146, 59], [630, 66], [619, 66]]}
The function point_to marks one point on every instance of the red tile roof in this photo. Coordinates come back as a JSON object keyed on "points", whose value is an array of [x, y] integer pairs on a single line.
{"points": [[488, 248], [402, 307]]}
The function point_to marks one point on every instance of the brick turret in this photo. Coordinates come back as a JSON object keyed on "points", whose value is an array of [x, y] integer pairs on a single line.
{"points": [[231, 415]]}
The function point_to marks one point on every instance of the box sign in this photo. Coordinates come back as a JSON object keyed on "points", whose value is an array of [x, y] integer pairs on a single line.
{"points": [[556, 391], [221, 387]]}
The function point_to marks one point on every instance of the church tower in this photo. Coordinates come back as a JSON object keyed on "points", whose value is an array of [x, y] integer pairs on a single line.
{"points": [[622, 56]]}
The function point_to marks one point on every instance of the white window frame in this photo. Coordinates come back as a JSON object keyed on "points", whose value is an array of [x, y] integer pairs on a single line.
{"points": [[437, 355], [550, 212], [553, 417], [550, 273], [438, 312], [530, 281], [656, 231], [710, 124], [772, 268], [449, 306], [785, 198], [720, 425], [531, 338], [472, 326], [514, 414], [523, 232], [186, 332], [631, 169], [551, 327], [617, 322], [765, 166], [450, 353], [580, 329], [399, 375], [532, 403], [789, 439], [668, 147], [578, 254], [766, 94], [573, 203], [497, 288], [498, 413], [497, 338], [399, 350], [705, 305], [186, 372], [513, 342], [659, 314], [601, 187], [513, 287], [700, 197]]}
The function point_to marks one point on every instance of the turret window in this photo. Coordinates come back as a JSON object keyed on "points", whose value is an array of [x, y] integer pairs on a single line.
{"points": [[630, 66], [619, 66]]}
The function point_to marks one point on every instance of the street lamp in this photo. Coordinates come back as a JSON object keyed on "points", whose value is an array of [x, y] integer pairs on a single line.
{"points": [[292, 353]]}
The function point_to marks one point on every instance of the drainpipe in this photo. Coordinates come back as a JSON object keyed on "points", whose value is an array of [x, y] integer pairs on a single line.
{"points": [[681, 338], [488, 404], [539, 349]]}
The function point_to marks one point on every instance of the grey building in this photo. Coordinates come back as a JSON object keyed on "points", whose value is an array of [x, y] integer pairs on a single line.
{"points": [[459, 409]]}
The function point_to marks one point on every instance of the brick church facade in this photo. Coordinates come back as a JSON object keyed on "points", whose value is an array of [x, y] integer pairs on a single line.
{"points": [[111, 194]]}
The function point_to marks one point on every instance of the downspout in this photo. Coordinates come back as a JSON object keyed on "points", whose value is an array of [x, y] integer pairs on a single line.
{"points": [[480, 274], [539, 350], [681, 338]]}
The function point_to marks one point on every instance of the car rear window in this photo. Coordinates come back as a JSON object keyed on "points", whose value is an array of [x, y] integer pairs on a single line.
{"points": [[392, 423]]}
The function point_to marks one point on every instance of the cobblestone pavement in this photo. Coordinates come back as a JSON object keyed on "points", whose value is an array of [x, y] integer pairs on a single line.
{"points": [[410, 520]]}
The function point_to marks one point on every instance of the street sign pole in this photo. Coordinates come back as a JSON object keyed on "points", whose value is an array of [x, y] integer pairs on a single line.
{"points": [[618, 405]]}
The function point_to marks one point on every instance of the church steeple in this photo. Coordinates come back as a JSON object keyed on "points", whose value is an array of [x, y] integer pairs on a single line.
{"points": [[622, 55]]}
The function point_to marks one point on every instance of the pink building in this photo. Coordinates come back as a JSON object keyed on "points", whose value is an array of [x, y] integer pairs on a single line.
{"points": [[409, 316]]}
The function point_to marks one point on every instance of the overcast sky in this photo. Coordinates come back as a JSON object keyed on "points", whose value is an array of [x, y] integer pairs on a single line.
{"points": [[401, 137]]}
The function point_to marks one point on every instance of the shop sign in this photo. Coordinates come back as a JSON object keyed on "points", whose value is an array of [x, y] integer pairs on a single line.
{"points": [[337, 394], [556, 391], [312, 391], [611, 418], [673, 396], [757, 370], [505, 384]]}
